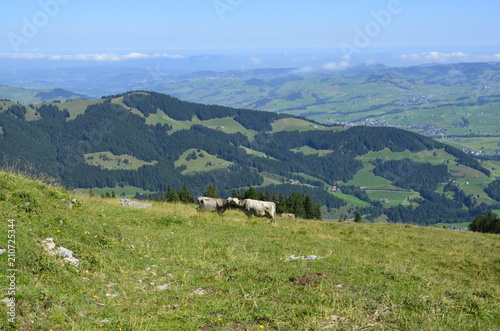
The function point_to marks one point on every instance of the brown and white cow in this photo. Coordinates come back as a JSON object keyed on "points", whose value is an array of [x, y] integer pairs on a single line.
{"points": [[287, 215], [212, 204], [253, 207]]}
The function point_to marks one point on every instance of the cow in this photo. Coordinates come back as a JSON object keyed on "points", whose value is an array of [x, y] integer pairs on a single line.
{"points": [[212, 204], [287, 215], [255, 207]]}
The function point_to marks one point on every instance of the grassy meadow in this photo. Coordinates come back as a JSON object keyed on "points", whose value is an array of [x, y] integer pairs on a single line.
{"points": [[203, 161], [170, 268], [110, 161]]}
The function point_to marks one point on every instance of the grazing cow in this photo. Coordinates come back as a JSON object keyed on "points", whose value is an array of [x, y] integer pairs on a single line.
{"points": [[212, 204], [255, 207], [288, 215]]}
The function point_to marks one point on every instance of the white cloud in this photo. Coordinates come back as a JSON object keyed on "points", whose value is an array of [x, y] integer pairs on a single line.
{"points": [[448, 57], [99, 57], [169, 56], [23, 56], [256, 61], [333, 66], [135, 55]]}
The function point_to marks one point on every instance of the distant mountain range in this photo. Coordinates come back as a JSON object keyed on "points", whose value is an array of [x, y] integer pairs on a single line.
{"points": [[436, 100], [144, 142]]}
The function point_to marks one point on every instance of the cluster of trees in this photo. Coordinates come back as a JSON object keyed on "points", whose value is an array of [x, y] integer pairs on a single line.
{"points": [[18, 111], [302, 205], [319, 196], [412, 175], [493, 190], [171, 195], [432, 208], [487, 224]]}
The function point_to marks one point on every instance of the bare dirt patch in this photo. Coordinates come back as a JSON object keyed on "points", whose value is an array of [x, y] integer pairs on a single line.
{"points": [[308, 280]]}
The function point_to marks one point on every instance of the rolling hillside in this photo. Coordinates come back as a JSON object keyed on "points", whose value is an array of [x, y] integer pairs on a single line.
{"points": [[150, 141], [29, 96], [168, 267], [458, 103], [452, 99]]}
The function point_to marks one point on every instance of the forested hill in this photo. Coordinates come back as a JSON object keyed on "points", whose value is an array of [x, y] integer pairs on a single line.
{"points": [[146, 142]]}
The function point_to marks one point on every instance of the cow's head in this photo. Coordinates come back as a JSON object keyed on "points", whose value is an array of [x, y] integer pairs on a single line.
{"points": [[233, 202]]}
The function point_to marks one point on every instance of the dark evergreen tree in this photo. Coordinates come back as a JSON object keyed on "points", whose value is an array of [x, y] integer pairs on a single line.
{"points": [[185, 195], [358, 218], [236, 194], [251, 193], [486, 224], [211, 192], [493, 190], [172, 195]]}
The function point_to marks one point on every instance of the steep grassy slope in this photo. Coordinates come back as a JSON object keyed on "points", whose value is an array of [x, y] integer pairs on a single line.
{"points": [[169, 268]]}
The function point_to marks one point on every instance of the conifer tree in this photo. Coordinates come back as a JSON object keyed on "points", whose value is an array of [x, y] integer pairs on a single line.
{"points": [[251, 193], [186, 196], [358, 218], [308, 207], [172, 195], [236, 194], [211, 192]]}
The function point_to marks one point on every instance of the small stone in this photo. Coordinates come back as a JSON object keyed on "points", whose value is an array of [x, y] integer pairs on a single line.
{"points": [[201, 291], [162, 287]]}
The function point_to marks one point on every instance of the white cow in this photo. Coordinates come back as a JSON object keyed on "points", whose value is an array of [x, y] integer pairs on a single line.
{"points": [[255, 207], [212, 204]]}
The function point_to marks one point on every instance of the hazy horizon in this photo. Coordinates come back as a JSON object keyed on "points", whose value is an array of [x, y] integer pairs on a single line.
{"points": [[235, 34]]}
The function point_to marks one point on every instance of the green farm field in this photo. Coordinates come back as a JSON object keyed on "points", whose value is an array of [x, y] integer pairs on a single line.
{"points": [[110, 161], [203, 162], [391, 198]]}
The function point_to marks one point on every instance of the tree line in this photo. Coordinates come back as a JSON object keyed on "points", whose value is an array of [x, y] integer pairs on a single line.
{"points": [[302, 205], [486, 224]]}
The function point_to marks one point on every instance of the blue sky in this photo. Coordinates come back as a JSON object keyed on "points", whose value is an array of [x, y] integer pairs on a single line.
{"points": [[406, 31]]}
